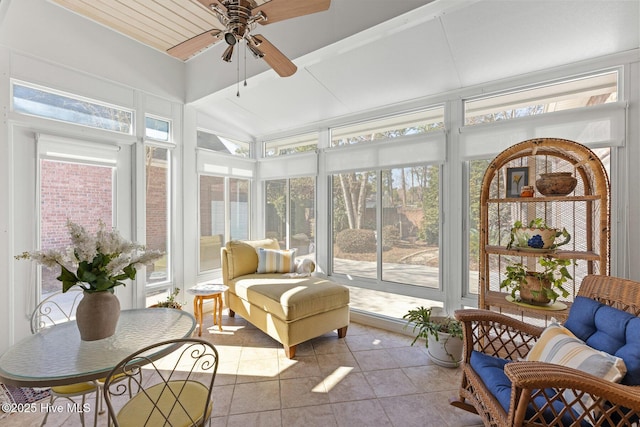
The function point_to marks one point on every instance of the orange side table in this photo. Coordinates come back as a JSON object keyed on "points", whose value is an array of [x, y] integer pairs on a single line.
{"points": [[208, 291]]}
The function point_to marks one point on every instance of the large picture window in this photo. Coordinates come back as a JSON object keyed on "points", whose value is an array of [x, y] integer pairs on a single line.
{"points": [[224, 215], [290, 214], [157, 187], [386, 225]]}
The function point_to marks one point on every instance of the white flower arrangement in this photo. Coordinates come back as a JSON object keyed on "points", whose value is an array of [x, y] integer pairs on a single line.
{"points": [[100, 262]]}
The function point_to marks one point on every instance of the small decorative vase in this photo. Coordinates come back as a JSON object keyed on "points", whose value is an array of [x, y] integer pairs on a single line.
{"points": [[556, 183], [97, 315]]}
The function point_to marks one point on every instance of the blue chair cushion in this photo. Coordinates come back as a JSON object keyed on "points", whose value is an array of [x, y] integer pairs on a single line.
{"points": [[491, 370], [610, 330]]}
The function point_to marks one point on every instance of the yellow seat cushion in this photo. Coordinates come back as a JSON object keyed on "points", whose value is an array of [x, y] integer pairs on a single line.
{"points": [[74, 388], [290, 298], [140, 411]]}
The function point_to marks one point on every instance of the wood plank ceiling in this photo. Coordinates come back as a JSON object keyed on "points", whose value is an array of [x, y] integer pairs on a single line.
{"points": [[161, 24]]}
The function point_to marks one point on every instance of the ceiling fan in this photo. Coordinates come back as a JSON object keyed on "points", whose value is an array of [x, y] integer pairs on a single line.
{"points": [[240, 18]]}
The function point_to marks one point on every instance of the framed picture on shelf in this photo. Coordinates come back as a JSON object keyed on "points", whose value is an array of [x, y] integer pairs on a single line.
{"points": [[516, 179]]}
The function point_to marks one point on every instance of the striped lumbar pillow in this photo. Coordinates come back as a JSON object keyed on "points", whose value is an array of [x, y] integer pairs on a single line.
{"points": [[276, 261], [558, 345]]}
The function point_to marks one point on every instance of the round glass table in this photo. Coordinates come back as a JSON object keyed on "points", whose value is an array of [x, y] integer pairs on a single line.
{"points": [[57, 356]]}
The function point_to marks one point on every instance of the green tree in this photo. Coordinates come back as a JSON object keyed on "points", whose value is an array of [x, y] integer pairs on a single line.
{"points": [[430, 227]]}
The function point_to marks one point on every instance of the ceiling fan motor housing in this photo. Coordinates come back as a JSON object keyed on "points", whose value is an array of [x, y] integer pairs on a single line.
{"points": [[238, 14]]}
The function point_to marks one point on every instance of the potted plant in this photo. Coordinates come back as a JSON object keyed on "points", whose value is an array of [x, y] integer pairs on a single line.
{"points": [[538, 287], [97, 263], [171, 301], [443, 335], [537, 235]]}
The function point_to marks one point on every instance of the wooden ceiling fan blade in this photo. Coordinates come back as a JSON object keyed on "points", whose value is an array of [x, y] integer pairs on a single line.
{"points": [[279, 10], [190, 47], [276, 59]]}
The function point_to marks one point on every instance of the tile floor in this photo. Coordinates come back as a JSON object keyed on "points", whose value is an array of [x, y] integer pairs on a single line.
{"points": [[371, 378]]}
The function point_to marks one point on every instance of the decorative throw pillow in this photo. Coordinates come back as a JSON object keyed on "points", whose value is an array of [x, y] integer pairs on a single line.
{"points": [[276, 261], [558, 345]]}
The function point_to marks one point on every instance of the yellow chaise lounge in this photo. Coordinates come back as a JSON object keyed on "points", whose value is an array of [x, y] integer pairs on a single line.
{"points": [[291, 310]]}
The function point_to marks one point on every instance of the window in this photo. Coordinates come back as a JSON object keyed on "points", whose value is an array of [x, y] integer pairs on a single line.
{"points": [[224, 215], [398, 224], [50, 104], [476, 169], [158, 179], [221, 144], [559, 96], [62, 198], [390, 127], [290, 214], [292, 145], [156, 128]]}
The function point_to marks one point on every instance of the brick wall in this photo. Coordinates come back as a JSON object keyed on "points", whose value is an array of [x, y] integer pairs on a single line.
{"points": [[157, 207], [80, 193]]}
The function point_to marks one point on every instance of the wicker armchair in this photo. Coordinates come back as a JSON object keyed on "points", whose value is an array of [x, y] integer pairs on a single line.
{"points": [[536, 392]]}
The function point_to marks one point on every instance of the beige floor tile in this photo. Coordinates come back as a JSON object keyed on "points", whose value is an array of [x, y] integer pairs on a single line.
{"points": [[432, 377], [297, 392], [256, 397], [390, 382], [329, 363], [300, 366], [361, 413], [309, 416], [329, 345], [221, 396], [253, 370], [370, 360], [409, 356], [257, 419], [409, 411], [347, 386]]}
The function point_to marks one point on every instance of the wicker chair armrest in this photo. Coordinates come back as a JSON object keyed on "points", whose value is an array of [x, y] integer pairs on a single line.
{"points": [[601, 401], [496, 334]]}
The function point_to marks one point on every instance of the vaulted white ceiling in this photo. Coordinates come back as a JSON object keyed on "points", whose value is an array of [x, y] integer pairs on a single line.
{"points": [[435, 48], [357, 57]]}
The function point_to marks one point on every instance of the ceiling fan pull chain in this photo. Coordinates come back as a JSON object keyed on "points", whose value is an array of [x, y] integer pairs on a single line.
{"points": [[238, 76], [245, 62]]}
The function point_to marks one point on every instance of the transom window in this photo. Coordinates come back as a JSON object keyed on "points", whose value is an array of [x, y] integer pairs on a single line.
{"points": [[157, 128], [291, 145], [413, 123], [56, 105], [565, 95], [214, 142]]}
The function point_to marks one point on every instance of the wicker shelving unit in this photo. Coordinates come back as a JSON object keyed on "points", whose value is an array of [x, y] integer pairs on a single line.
{"points": [[584, 213]]}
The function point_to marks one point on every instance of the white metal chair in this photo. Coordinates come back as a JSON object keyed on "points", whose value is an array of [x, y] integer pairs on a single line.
{"points": [[57, 308], [179, 377]]}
